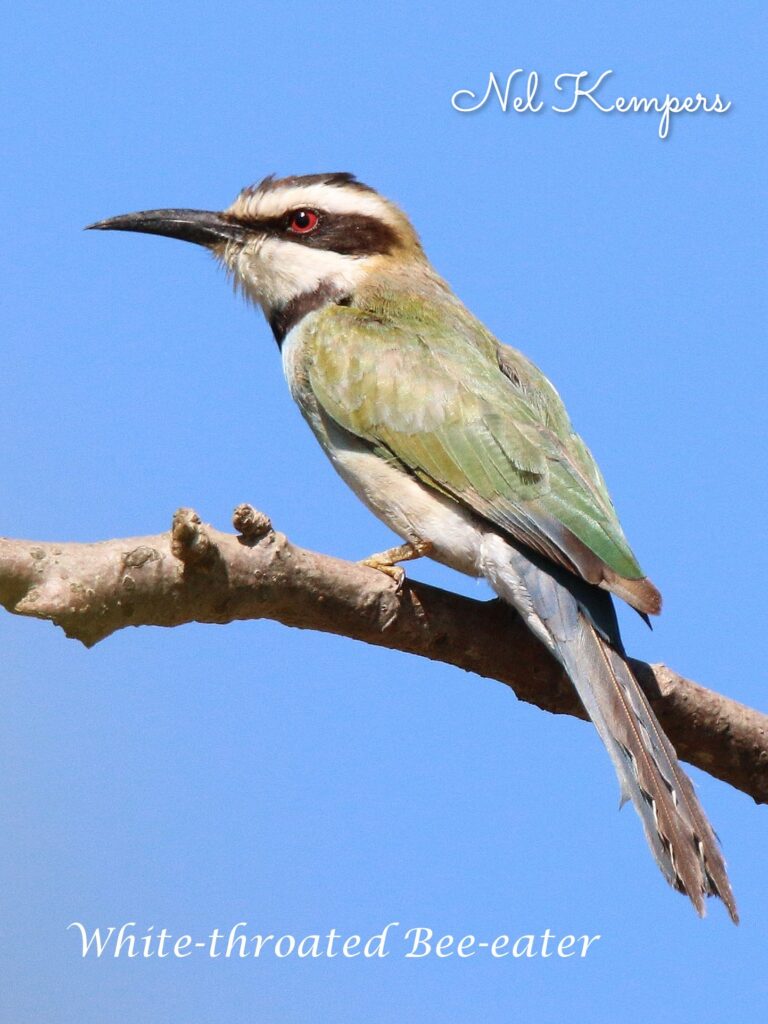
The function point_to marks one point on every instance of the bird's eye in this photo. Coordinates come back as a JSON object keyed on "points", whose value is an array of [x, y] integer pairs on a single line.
{"points": [[301, 222]]}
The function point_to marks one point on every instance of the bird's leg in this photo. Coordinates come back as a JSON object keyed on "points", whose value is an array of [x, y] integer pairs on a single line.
{"points": [[386, 561]]}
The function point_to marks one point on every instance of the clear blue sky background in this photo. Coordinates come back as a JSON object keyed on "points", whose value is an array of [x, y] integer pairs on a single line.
{"points": [[198, 777]]}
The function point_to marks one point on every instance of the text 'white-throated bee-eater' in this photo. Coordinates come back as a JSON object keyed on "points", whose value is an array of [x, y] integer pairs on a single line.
{"points": [[463, 448]]}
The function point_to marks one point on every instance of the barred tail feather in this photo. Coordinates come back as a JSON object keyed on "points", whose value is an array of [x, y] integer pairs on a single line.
{"points": [[577, 622], [682, 840]]}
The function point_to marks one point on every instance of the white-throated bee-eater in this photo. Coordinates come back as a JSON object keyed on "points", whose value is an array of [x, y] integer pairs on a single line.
{"points": [[463, 448]]}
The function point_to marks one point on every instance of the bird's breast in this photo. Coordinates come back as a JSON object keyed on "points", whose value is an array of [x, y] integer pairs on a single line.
{"points": [[412, 509]]}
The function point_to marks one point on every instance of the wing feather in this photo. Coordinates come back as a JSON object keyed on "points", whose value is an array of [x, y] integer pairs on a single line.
{"points": [[477, 421]]}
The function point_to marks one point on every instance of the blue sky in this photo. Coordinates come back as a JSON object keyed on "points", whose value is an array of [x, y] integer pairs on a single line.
{"points": [[197, 777]]}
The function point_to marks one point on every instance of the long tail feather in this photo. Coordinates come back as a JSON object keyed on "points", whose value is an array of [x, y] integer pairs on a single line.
{"points": [[577, 622], [682, 840]]}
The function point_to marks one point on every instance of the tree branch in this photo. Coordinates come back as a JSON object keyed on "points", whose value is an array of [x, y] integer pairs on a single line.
{"points": [[198, 574]]}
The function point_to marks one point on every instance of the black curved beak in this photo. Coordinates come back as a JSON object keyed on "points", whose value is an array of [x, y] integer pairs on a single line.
{"points": [[199, 226]]}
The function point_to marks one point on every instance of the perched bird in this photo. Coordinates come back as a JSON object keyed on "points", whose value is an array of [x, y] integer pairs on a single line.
{"points": [[462, 447]]}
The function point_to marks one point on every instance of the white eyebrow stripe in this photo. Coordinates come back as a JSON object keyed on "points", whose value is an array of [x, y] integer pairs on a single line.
{"points": [[333, 198]]}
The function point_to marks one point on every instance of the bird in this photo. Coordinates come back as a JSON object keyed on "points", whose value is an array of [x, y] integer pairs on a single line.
{"points": [[461, 446]]}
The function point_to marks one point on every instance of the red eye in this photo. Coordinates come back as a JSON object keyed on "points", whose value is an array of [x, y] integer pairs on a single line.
{"points": [[301, 222]]}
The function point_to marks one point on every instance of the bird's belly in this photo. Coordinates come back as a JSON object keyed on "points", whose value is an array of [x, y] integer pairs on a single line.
{"points": [[413, 510]]}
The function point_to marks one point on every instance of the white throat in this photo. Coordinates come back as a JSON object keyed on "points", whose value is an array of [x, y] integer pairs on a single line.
{"points": [[273, 272]]}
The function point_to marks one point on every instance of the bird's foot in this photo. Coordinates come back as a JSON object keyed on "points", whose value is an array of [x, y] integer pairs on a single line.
{"points": [[386, 561]]}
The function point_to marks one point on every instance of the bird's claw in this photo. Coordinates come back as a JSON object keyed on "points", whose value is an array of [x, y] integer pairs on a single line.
{"points": [[386, 561], [395, 572]]}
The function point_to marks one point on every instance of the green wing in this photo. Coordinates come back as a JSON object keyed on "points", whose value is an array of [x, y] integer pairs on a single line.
{"points": [[432, 390]]}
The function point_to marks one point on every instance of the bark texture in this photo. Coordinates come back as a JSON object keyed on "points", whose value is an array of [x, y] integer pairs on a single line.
{"points": [[195, 573]]}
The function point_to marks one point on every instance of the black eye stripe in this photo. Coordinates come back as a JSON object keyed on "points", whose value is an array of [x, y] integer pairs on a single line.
{"points": [[350, 234]]}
